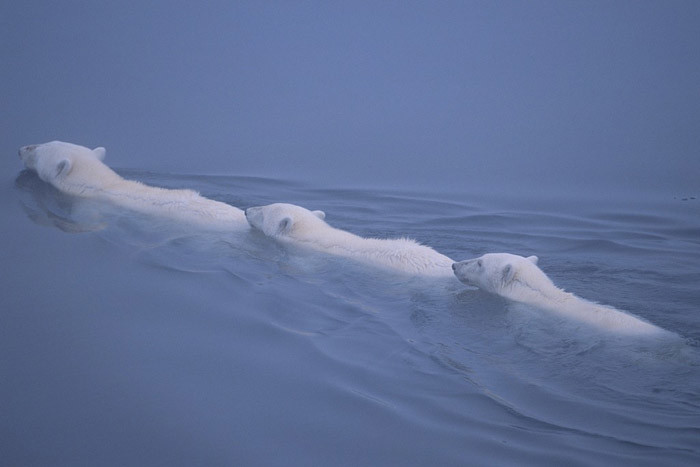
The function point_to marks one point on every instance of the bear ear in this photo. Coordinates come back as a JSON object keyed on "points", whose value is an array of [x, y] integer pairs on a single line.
{"points": [[533, 259], [100, 153], [63, 167], [284, 226], [508, 274], [320, 214]]}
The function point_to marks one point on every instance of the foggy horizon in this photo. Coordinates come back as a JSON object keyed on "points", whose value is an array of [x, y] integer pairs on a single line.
{"points": [[398, 94]]}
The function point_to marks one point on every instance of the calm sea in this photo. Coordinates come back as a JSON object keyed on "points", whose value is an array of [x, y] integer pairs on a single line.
{"points": [[126, 340]]}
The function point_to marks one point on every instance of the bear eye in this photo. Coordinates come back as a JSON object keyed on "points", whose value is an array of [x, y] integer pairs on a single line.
{"points": [[479, 263]]}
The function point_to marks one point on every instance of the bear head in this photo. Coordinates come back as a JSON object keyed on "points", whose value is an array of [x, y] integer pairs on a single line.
{"points": [[282, 220], [54, 160], [496, 272]]}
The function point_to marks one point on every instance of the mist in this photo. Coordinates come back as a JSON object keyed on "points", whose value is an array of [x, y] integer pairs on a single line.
{"points": [[512, 95]]}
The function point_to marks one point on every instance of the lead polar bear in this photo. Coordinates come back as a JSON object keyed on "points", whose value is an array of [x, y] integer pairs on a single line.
{"points": [[79, 171], [297, 225], [520, 279]]}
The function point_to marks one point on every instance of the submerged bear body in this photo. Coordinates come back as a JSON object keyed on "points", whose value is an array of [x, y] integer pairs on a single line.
{"points": [[294, 224], [521, 280], [79, 171]]}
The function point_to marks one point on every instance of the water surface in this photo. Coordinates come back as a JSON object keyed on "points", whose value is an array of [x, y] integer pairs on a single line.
{"points": [[128, 340]]}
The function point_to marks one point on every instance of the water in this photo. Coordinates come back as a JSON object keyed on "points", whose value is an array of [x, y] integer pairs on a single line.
{"points": [[126, 340]]}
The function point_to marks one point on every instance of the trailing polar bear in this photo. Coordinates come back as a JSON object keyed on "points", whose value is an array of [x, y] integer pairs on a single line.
{"points": [[299, 226], [79, 171], [520, 279]]}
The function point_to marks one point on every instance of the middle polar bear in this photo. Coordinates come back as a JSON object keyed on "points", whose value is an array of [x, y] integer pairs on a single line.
{"points": [[296, 225]]}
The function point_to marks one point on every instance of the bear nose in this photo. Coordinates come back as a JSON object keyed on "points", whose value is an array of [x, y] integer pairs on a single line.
{"points": [[26, 149], [454, 266]]}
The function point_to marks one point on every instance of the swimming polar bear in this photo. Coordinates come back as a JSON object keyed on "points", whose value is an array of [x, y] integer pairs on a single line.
{"points": [[520, 279], [299, 226], [79, 171]]}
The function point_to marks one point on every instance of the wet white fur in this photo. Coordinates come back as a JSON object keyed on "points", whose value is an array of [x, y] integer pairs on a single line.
{"points": [[299, 226], [79, 171], [520, 279]]}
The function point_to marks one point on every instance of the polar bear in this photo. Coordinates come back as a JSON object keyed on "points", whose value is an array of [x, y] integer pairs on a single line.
{"points": [[299, 226], [79, 171], [521, 280]]}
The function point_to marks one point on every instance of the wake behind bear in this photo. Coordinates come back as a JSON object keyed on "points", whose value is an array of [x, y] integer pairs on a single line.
{"points": [[79, 171], [299, 226], [520, 279]]}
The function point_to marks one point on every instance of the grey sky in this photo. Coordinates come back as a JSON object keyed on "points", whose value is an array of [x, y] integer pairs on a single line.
{"points": [[383, 93]]}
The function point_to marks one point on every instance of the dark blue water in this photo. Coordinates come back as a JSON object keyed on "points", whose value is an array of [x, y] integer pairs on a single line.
{"points": [[127, 340]]}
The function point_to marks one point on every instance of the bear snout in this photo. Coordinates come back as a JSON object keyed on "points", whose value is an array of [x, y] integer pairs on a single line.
{"points": [[454, 266], [252, 214], [25, 149], [27, 154]]}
